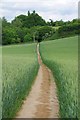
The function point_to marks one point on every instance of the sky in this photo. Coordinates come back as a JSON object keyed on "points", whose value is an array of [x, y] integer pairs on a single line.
{"points": [[48, 9]]}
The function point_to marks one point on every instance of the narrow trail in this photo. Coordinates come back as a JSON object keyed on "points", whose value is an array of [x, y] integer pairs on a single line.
{"points": [[42, 102]]}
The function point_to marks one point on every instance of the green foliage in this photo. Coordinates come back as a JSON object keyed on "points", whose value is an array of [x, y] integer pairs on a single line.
{"points": [[44, 32], [20, 67], [9, 35], [69, 29], [28, 13], [0, 82], [28, 38], [17, 22], [16, 31], [4, 22], [61, 56], [21, 19], [39, 29], [21, 32], [33, 19], [56, 23]]}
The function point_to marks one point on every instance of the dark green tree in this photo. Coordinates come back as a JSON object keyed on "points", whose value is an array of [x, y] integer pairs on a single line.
{"points": [[28, 13], [17, 22], [44, 32], [33, 19], [28, 38]]}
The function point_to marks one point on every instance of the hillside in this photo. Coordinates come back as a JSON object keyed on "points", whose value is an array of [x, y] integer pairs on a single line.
{"points": [[32, 28]]}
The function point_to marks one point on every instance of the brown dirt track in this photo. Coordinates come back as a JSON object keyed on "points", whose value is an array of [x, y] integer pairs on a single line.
{"points": [[42, 101]]}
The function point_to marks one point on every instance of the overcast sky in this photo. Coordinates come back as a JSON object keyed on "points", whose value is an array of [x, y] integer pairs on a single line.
{"points": [[48, 9]]}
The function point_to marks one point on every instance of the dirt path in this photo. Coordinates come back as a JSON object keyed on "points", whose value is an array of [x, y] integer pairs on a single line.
{"points": [[42, 101]]}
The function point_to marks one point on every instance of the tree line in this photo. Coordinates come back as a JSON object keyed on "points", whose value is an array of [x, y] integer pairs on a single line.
{"points": [[32, 27]]}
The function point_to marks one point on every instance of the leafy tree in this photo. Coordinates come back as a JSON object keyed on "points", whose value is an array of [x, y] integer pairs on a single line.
{"points": [[33, 19], [31, 27], [4, 22], [52, 23], [34, 11], [21, 19], [44, 32], [21, 32], [70, 29], [28, 38], [33, 32], [8, 35], [28, 13], [17, 22]]}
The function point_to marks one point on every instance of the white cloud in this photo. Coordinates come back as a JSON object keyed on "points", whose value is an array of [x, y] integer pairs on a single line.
{"points": [[48, 9]]}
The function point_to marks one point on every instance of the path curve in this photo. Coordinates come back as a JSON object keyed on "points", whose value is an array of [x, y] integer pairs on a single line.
{"points": [[42, 102]]}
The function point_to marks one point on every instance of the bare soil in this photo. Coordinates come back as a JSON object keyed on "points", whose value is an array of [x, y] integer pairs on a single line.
{"points": [[42, 101]]}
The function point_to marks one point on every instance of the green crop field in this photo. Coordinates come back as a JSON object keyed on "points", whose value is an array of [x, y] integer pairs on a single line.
{"points": [[19, 68], [61, 56]]}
